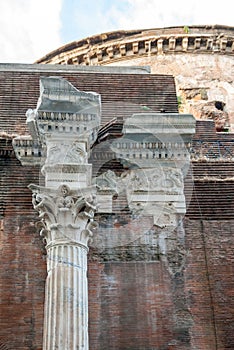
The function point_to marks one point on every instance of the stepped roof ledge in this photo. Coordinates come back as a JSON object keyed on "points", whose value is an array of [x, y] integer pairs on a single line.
{"points": [[27, 67]]}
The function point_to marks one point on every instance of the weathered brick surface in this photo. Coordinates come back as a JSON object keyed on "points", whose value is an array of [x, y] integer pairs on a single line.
{"points": [[22, 262], [209, 283], [129, 306]]}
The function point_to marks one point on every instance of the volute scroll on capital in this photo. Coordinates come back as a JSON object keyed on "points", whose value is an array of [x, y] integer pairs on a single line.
{"points": [[65, 213]]}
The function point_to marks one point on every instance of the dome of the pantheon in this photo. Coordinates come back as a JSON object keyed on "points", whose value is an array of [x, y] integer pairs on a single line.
{"points": [[201, 58]]}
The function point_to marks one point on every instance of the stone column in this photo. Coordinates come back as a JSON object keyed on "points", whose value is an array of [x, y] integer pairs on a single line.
{"points": [[63, 128], [66, 321], [67, 224]]}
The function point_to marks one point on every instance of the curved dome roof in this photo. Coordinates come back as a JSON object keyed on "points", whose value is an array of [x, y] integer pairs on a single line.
{"points": [[114, 46]]}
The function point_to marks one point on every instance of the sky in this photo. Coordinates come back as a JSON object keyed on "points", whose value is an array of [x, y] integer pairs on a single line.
{"points": [[32, 28]]}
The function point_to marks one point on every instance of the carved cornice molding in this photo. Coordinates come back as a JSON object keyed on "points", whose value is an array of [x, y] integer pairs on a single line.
{"points": [[29, 151], [150, 138], [146, 44], [65, 118], [155, 149], [60, 108]]}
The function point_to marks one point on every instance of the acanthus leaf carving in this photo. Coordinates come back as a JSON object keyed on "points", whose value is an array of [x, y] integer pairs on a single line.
{"points": [[65, 213]]}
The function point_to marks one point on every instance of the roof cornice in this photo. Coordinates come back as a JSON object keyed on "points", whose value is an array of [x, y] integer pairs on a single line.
{"points": [[114, 46]]}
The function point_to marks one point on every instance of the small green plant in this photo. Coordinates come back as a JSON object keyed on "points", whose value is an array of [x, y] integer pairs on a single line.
{"points": [[179, 101], [186, 29]]}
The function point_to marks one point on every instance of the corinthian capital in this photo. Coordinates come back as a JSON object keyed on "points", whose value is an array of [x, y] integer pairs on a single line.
{"points": [[66, 215]]}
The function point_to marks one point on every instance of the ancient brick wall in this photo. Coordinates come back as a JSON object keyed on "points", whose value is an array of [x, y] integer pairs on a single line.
{"points": [[22, 259], [209, 282], [132, 304]]}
